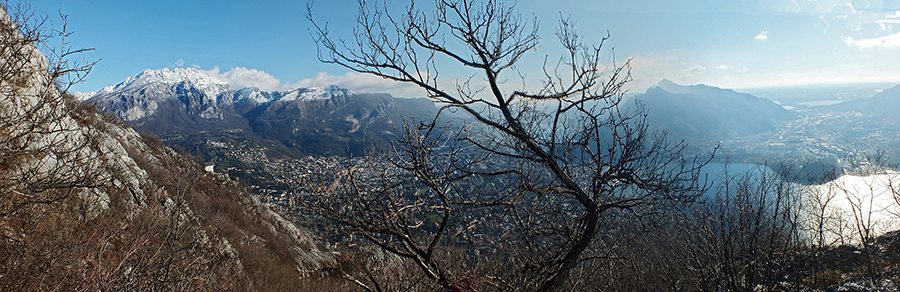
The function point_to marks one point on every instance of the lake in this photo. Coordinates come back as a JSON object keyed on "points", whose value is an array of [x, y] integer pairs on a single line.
{"points": [[851, 202]]}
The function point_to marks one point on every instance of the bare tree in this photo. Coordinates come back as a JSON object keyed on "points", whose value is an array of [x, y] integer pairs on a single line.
{"points": [[521, 196], [743, 231], [39, 146], [871, 202]]}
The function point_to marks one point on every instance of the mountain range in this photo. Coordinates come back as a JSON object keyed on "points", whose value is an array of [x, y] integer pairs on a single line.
{"points": [[705, 113], [885, 105], [190, 109], [187, 108], [205, 116]]}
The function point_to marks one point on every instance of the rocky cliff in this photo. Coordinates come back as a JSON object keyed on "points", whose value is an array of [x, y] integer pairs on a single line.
{"points": [[86, 203]]}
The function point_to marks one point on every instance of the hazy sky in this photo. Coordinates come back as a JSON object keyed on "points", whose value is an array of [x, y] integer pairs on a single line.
{"points": [[725, 43]]}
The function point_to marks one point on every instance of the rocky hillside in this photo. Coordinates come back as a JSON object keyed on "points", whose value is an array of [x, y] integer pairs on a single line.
{"points": [[86, 203]]}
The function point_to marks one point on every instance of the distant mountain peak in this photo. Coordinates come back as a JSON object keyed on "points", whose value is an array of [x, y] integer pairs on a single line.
{"points": [[174, 76], [670, 86], [316, 93], [211, 85], [697, 112], [84, 95], [666, 82], [140, 95], [255, 94], [197, 93]]}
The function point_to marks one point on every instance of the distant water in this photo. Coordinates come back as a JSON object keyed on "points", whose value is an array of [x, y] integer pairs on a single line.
{"points": [[870, 196], [864, 200], [716, 172], [818, 95], [718, 169], [821, 102]]}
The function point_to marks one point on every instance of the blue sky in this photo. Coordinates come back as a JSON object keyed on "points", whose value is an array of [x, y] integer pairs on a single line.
{"points": [[725, 43]]}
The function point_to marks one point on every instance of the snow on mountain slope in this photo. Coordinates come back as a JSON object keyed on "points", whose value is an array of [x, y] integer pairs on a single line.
{"points": [[213, 87], [82, 96], [315, 93], [255, 95], [208, 84], [196, 93], [153, 85], [141, 95]]}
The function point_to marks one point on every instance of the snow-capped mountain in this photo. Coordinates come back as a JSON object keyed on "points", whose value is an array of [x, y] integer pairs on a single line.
{"points": [[254, 95], [315, 93], [141, 95], [206, 83], [84, 95], [188, 103]]}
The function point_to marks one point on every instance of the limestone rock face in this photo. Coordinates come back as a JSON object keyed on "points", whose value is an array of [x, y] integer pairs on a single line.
{"points": [[87, 203]]}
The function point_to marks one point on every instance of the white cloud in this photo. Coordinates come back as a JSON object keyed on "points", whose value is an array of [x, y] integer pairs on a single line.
{"points": [[240, 77], [874, 6], [889, 41], [764, 35], [360, 83], [737, 67], [179, 63], [689, 72], [859, 20]]}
